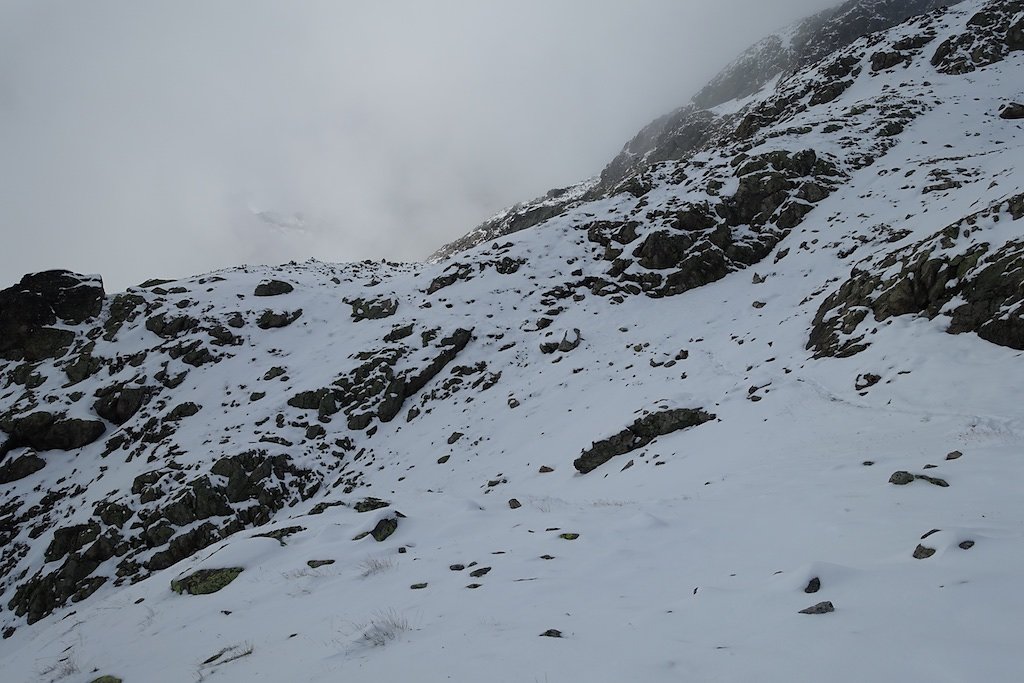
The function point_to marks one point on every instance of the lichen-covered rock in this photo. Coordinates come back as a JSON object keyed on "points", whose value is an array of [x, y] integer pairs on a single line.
{"points": [[205, 581], [923, 278]]}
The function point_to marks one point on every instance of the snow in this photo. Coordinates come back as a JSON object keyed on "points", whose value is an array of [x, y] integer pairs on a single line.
{"points": [[691, 564]]}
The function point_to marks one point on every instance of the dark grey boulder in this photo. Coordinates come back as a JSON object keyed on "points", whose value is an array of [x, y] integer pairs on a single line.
{"points": [[1012, 111], [119, 403], [46, 431], [20, 467], [273, 288], [270, 319]]}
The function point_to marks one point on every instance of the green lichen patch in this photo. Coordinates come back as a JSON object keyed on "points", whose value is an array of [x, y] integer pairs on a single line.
{"points": [[205, 581]]}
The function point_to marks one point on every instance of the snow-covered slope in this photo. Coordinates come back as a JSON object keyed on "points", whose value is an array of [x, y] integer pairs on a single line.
{"points": [[630, 443]]}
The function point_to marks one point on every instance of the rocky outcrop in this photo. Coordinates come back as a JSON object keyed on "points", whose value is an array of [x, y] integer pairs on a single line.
{"points": [[32, 310], [639, 434], [925, 279], [991, 35]]}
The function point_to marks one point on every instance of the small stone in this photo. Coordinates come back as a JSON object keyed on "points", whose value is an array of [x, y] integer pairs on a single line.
{"points": [[933, 480], [953, 455], [923, 552], [544, 469], [901, 478], [933, 531], [474, 585], [454, 437], [514, 504], [418, 586], [758, 304], [820, 608], [813, 586], [551, 633], [477, 573], [547, 557], [868, 463], [456, 567], [313, 564], [966, 545], [443, 459]]}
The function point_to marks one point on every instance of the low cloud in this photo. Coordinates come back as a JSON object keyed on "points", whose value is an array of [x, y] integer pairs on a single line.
{"points": [[145, 139]]}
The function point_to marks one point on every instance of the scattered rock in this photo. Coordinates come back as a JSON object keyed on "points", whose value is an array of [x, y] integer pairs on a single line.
{"points": [[966, 545], [866, 380], [384, 528], [544, 469], [368, 504], [953, 455], [418, 586], [813, 586], [271, 320], [514, 504], [454, 437], [921, 552], [901, 478], [569, 537], [932, 480], [551, 633], [820, 608], [315, 564], [477, 573], [1012, 111]]}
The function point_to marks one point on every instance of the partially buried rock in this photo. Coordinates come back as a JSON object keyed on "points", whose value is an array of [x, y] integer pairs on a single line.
{"points": [[205, 581], [1012, 111], [901, 478], [551, 633], [315, 564], [270, 319], [813, 586], [953, 455], [384, 528], [923, 552], [966, 545], [514, 504], [820, 608]]}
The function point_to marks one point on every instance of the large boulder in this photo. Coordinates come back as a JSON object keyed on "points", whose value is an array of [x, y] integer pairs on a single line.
{"points": [[46, 431], [30, 309]]}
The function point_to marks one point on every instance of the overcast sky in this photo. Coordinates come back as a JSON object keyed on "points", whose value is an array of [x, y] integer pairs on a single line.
{"points": [[164, 139]]}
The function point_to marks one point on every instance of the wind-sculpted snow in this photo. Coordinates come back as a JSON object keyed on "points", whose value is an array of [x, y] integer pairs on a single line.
{"points": [[630, 441]]}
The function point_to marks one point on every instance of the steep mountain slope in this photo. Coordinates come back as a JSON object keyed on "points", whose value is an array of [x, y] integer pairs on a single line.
{"points": [[598, 429]]}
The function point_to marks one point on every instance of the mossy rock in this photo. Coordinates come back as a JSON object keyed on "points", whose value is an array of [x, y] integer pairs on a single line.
{"points": [[569, 537], [205, 581]]}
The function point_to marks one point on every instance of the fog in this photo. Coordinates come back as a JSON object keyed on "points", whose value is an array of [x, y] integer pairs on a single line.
{"points": [[164, 139]]}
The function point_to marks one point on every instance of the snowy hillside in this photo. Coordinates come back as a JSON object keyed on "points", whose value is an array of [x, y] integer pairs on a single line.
{"points": [[747, 413]]}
